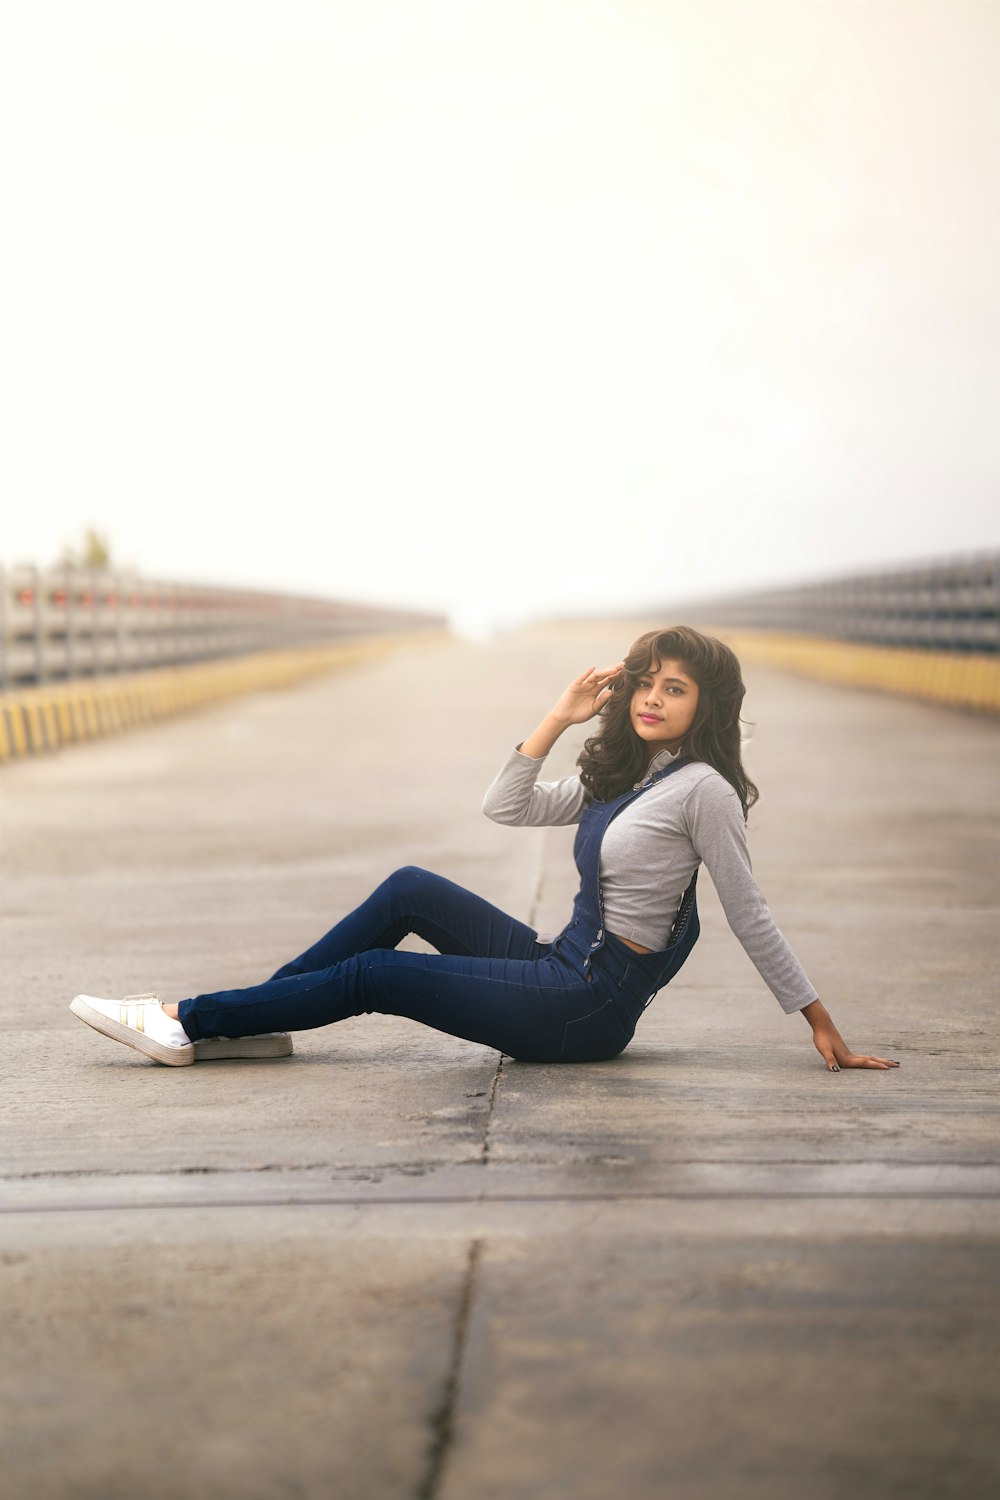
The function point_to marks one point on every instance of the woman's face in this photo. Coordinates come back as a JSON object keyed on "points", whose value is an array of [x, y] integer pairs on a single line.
{"points": [[664, 705]]}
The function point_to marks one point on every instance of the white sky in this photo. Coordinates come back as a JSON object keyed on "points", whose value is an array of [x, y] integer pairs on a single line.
{"points": [[500, 308]]}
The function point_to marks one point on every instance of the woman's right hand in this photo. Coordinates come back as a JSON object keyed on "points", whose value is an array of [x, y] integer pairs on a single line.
{"points": [[585, 697], [587, 694]]}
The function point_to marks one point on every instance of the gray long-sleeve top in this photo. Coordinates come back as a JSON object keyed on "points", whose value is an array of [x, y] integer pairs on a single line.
{"points": [[651, 850]]}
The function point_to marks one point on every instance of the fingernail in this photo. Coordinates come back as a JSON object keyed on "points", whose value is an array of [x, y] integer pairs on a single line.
{"points": [[836, 1068]]}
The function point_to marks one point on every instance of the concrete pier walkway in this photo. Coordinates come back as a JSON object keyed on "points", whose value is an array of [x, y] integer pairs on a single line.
{"points": [[399, 1265]]}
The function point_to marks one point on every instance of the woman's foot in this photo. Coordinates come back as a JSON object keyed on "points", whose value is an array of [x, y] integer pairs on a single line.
{"points": [[140, 1022], [157, 1024]]}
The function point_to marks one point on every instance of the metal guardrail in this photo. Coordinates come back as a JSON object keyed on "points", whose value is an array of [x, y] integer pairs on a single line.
{"points": [[951, 605], [66, 623]]}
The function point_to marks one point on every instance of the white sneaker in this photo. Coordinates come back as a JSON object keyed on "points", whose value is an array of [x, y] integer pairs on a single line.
{"points": [[267, 1044], [207, 1049], [139, 1022]]}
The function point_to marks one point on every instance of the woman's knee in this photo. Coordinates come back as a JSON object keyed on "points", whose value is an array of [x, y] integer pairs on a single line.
{"points": [[396, 889], [411, 890], [407, 878]]}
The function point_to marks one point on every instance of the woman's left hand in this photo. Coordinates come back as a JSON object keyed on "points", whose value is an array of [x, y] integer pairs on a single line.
{"points": [[837, 1054], [831, 1045]]}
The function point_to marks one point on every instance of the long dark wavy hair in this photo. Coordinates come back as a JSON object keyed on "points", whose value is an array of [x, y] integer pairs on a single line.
{"points": [[613, 760]]}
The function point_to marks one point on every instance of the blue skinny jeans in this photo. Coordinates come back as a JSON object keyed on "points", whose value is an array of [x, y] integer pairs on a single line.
{"points": [[491, 980]]}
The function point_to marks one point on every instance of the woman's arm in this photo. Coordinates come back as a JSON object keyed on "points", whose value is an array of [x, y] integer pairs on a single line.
{"points": [[714, 819], [718, 833], [515, 796]]}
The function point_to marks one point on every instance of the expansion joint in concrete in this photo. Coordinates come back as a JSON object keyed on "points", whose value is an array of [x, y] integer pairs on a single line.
{"points": [[533, 907], [443, 1420], [484, 1154]]}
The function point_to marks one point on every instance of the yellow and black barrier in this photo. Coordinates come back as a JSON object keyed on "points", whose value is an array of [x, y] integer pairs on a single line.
{"points": [[37, 719], [961, 679]]}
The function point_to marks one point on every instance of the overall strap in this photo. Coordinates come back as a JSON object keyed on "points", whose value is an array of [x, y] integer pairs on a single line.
{"points": [[598, 815], [675, 765], [602, 819], [626, 798]]}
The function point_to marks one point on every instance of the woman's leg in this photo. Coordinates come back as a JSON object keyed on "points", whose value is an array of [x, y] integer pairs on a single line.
{"points": [[533, 1009], [416, 901]]}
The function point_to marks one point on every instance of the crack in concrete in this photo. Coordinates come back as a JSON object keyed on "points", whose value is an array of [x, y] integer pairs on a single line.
{"points": [[484, 1152], [366, 1171], [485, 1200], [443, 1420], [533, 906], [375, 1172]]}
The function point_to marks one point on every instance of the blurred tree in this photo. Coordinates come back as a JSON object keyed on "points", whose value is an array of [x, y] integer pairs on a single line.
{"points": [[95, 552]]}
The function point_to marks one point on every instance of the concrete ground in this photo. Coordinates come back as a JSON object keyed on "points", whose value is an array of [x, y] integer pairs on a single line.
{"points": [[399, 1265]]}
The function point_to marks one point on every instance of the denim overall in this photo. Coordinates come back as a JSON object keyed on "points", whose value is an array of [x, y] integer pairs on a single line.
{"points": [[627, 979], [491, 980]]}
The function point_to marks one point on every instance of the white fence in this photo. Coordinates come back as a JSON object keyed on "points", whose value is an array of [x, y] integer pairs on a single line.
{"points": [[58, 624], [952, 605]]}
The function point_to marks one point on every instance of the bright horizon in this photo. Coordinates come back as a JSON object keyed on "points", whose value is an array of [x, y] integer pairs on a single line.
{"points": [[501, 310]]}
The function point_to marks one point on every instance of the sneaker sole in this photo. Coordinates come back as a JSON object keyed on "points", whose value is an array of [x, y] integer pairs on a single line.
{"points": [[214, 1048], [174, 1057]]}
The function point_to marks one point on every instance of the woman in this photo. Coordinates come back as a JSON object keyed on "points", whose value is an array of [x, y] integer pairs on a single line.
{"points": [[661, 788]]}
